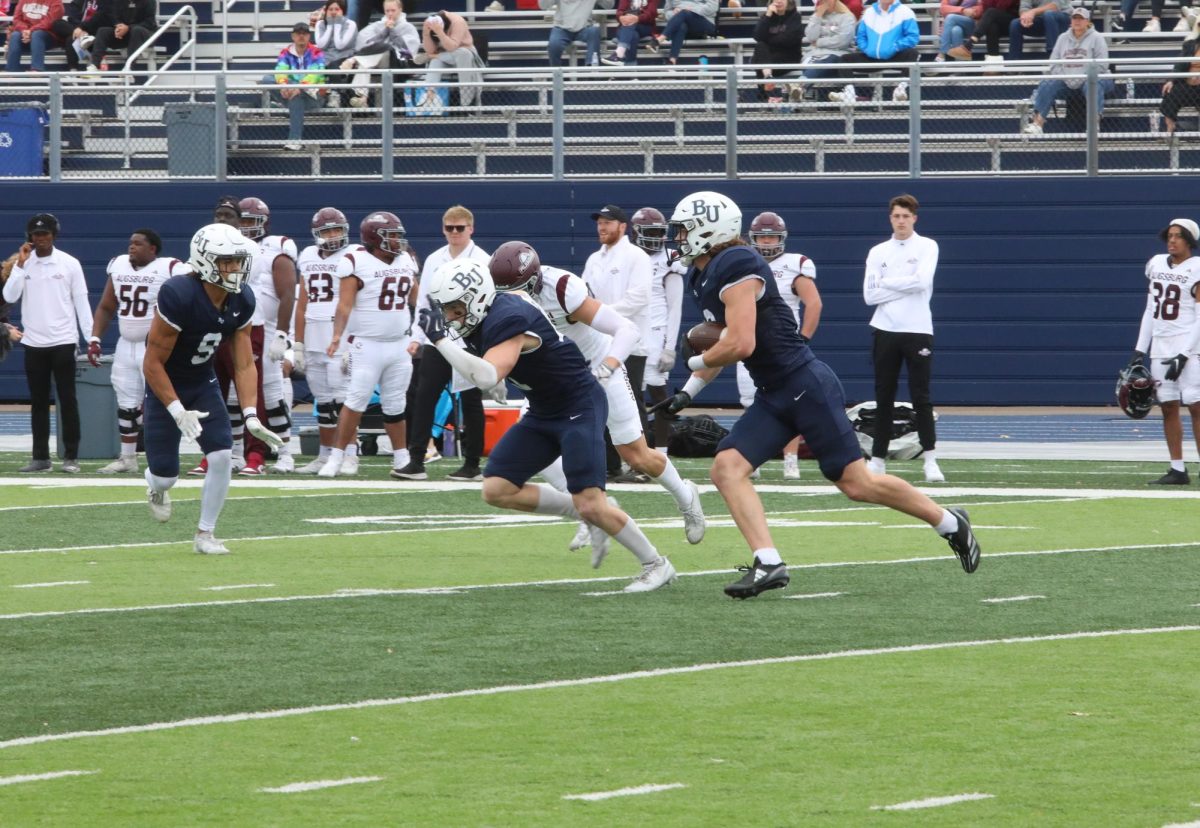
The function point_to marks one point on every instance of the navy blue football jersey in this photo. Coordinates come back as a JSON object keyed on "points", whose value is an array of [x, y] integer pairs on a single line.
{"points": [[554, 376], [184, 305], [778, 348]]}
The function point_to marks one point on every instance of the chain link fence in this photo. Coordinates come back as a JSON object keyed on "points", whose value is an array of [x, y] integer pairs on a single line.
{"points": [[638, 122]]}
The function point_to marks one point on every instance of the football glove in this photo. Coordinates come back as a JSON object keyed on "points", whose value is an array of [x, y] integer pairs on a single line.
{"points": [[188, 421], [498, 392], [255, 427], [1174, 367], [603, 373], [672, 404], [279, 346], [298, 357], [666, 361], [433, 323], [1138, 358], [93, 353]]}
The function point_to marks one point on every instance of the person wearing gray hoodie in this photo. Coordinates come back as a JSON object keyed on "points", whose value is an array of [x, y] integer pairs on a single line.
{"points": [[688, 18], [1083, 45], [572, 22]]}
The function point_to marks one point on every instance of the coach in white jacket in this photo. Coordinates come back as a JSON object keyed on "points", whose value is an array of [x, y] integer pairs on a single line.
{"points": [[54, 311], [899, 285]]}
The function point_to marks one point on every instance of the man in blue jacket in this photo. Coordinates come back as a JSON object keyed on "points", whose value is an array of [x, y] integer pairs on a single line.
{"points": [[887, 33]]}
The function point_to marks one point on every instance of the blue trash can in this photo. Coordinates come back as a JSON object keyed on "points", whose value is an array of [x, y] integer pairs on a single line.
{"points": [[22, 136]]}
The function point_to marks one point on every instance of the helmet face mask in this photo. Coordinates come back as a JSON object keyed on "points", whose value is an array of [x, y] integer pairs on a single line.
{"points": [[768, 226], [649, 229], [217, 243], [1135, 391], [466, 282], [254, 217], [516, 266], [329, 218], [702, 221]]}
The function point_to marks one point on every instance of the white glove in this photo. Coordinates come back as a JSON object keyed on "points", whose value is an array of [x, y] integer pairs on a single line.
{"points": [[603, 373], [255, 427], [498, 392], [298, 358], [279, 346], [666, 361], [188, 421], [346, 362]]}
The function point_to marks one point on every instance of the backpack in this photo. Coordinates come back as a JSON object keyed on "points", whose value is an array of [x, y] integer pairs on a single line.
{"points": [[695, 437], [905, 444]]}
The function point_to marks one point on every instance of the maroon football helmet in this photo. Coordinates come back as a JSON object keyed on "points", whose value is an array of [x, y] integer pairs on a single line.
{"points": [[649, 228], [768, 224], [382, 231], [328, 218], [516, 266], [255, 217]]}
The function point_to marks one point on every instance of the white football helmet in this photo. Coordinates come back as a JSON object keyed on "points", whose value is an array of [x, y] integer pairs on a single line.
{"points": [[702, 221], [220, 241], [466, 281]]}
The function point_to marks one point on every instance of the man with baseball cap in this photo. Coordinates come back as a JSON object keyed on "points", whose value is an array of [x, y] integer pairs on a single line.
{"points": [[1080, 43], [300, 70], [1170, 336]]}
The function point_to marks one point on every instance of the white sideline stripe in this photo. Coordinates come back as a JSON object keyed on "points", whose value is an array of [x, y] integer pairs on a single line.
{"points": [[580, 682], [49, 584], [235, 586], [973, 526], [1193, 824], [38, 777], [360, 593], [933, 802], [1014, 598], [301, 787], [815, 595], [640, 789]]}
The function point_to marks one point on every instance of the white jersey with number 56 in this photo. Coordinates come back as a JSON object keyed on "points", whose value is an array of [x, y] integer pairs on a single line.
{"points": [[136, 289]]}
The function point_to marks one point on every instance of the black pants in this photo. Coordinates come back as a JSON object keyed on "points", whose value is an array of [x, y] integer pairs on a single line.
{"points": [[889, 352], [635, 367], [1181, 95], [63, 30], [432, 376], [107, 40], [40, 364], [993, 24]]}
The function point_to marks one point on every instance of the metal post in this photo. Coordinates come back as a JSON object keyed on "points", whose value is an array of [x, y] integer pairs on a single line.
{"points": [[220, 128], [914, 121], [557, 114], [1091, 87], [387, 158], [56, 116], [731, 132]]}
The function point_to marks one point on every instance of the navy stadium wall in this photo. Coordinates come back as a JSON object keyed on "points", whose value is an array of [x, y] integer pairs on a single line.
{"points": [[1037, 300]]}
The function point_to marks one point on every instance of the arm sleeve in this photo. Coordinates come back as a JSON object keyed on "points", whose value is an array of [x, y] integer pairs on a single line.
{"points": [[1144, 333], [15, 285], [478, 371], [673, 288], [624, 334]]}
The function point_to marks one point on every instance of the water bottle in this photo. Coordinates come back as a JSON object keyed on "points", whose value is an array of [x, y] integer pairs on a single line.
{"points": [[448, 443]]}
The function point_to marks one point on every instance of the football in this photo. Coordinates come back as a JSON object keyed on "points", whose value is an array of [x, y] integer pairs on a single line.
{"points": [[703, 336]]}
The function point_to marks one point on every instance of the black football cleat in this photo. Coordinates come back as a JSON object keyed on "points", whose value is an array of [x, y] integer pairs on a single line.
{"points": [[963, 542], [1173, 477], [759, 577]]}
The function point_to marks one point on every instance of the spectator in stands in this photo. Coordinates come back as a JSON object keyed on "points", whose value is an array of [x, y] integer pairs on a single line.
{"points": [[1083, 44], [887, 33], [448, 44], [958, 23], [1183, 92], [335, 36], [636, 20], [830, 36], [76, 30], [300, 69], [134, 22], [572, 22], [1049, 19], [392, 41], [1187, 17], [32, 21], [777, 38], [9, 333], [993, 24], [687, 18]]}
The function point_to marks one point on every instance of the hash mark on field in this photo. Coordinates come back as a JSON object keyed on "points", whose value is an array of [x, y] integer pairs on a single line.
{"points": [[301, 787], [815, 595], [933, 802], [236, 586], [38, 777], [639, 790], [603, 594], [49, 584], [1014, 598]]}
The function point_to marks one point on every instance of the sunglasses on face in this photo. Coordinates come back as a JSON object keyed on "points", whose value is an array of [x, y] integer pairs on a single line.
{"points": [[455, 228]]}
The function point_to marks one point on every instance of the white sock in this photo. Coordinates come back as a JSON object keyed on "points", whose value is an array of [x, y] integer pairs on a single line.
{"points": [[553, 502], [336, 455], [400, 459], [791, 458], [286, 449], [159, 484], [1178, 465], [216, 487], [554, 475], [351, 450], [930, 456], [323, 454], [768, 556], [633, 539], [948, 524], [673, 483], [128, 449]]}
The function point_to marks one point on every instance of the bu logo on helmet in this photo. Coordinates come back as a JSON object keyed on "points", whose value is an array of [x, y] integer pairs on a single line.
{"points": [[700, 207], [467, 280]]}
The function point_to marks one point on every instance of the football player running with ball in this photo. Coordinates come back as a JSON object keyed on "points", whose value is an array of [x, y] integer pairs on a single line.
{"points": [[796, 393], [567, 406], [194, 313]]}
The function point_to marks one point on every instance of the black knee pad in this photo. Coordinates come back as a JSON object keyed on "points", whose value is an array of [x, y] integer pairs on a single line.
{"points": [[129, 420], [393, 418], [325, 416], [279, 419]]}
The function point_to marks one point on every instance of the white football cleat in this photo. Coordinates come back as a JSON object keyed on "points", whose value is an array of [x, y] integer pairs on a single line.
{"points": [[791, 468], [330, 468], [124, 463], [933, 473], [693, 515], [349, 466], [205, 544], [160, 505], [583, 537], [654, 575], [877, 465], [284, 465], [311, 467]]}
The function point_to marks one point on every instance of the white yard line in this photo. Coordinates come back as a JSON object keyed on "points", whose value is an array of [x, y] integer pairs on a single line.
{"points": [[581, 682], [933, 802], [814, 595], [38, 777], [638, 791], [1014, 598], [1193, 824], [235, 586], [49, 584], [301, 787]]}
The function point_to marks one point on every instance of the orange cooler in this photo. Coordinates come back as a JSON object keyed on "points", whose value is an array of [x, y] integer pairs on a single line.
{"points": [[496, 421]]}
